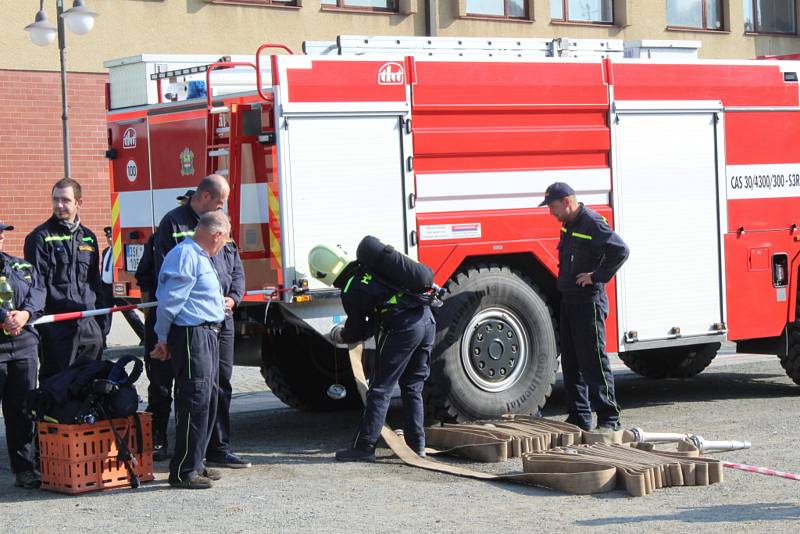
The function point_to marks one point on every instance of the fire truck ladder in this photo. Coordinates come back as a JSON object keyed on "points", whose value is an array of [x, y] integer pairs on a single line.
{"points": [[225, 137]]}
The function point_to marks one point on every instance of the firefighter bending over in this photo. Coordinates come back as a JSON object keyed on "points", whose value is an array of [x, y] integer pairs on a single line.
{"points": [[405, 331]]}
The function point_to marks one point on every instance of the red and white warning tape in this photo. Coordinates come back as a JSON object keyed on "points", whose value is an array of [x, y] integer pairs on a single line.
{"points": [[761, 470], [70, 316]]}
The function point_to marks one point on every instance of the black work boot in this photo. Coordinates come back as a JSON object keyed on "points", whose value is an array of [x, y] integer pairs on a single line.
{"points": [[195, 482], [160, 450], [355, 455], [28, 480]]}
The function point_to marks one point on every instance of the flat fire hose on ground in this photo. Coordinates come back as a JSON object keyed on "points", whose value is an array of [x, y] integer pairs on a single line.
{"points": [[572, 468]]}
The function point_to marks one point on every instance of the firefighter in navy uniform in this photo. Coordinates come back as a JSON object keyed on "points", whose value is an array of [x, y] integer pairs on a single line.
{"points": [[589, 254], [19, 343], [65, 255], [405, 328], [229, 267]]}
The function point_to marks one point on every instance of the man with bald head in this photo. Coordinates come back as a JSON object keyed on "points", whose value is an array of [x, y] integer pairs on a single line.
{"points": [[210, 195]]}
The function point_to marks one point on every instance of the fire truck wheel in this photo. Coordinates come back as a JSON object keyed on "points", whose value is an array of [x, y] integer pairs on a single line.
{"points": [[790, 355], [299, 366], [673, 362], [496, 347]]}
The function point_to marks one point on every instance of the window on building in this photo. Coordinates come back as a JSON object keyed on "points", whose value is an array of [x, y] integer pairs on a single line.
{"points": [[256, 2], [701, 14], [366, 5], [595, 11], [507, 9], [770, 16]]}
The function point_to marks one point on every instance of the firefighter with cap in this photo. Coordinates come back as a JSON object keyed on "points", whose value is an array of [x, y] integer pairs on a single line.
{"points": [[65, 254], [405, 328], [589, 254], [21, 301]]}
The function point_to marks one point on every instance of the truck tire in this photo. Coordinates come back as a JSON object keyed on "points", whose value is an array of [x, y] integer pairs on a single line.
{"points": [[672, 362], [496, 347], [299, 366], [790, 352]]}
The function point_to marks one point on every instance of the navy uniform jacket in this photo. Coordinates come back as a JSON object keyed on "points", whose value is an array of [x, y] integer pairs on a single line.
{"points": [[177, 224], [68, 264], [180, 223], [371, 305], [29, 296], [588, 245], [146, 277]]}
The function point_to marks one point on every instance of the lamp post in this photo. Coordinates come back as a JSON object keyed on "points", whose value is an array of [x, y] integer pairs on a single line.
{"points": [[80, 20]]}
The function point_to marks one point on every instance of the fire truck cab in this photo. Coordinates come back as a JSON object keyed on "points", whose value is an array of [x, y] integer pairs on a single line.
{"points": [[445, 154]]}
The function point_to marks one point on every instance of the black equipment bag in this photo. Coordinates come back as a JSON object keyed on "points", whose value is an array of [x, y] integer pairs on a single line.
{"points": [[394, 267], [75, 395]]}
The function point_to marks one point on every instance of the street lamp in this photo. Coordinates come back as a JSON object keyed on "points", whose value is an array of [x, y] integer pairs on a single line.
{"points": [[80, 20]]}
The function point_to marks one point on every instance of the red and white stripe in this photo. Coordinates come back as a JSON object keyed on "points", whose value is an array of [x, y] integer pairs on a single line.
{"points": [[71, 316], [761, 470]]}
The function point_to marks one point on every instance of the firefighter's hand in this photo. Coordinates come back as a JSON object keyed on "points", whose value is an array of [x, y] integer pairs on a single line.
{"points": [[584, 279], [15, 321], [229, 305], [160, 352]]}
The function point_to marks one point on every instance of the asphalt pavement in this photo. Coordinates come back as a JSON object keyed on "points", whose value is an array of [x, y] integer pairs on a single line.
{"points": [[295, 484]]}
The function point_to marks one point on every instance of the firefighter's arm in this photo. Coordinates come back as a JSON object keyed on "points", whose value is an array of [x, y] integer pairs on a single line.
{"points": [[164, 241], [34, 300], [94, 276], [613, 249], [175, 283], [36, 254], [359, 305], [237, 276]]}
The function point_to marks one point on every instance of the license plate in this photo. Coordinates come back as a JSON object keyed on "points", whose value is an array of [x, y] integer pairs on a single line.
{"points": [[133, 254]]}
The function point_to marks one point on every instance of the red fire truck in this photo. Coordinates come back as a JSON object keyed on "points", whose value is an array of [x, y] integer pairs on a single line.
{"points": [[694, 162]]}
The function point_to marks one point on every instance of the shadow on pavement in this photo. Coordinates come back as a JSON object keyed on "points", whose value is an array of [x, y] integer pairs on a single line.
{"points": [[709, 514]]}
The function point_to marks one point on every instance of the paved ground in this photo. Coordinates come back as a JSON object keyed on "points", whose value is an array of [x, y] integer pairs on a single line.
{"points": [[295, 485]]}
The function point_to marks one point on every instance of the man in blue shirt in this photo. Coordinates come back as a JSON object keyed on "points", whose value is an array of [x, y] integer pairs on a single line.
{"points": [[191, 310]]}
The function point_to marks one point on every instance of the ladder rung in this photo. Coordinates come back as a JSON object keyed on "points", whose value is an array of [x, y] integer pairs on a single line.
{"points": [[219, 109], [224, 131], [217, 145], [218, 152]]}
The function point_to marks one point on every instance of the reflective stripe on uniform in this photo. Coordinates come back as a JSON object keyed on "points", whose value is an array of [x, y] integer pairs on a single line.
{"points": [[581, 236], [187, 233], [347, 285], [21, 265], [57, 238]]}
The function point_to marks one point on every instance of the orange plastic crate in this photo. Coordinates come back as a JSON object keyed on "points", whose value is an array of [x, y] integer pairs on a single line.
{"points": [[79, 458]]}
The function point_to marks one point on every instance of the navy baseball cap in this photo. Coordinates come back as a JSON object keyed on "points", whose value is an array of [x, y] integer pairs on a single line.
{"points": [[186, 196], [556, 191], [4, 226]]}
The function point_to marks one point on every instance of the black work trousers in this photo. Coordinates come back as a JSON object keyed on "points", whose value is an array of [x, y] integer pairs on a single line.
{"points": [[220, 440], [67, 342], [160, 376], [402, 357], [588, 380], [194, 354], [17, 378]]}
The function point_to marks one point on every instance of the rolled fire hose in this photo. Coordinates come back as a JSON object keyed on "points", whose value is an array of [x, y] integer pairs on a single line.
{"points": [[578, 469]]}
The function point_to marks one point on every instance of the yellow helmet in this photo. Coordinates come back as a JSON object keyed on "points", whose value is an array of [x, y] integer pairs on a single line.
{"points": [[327, 262]]}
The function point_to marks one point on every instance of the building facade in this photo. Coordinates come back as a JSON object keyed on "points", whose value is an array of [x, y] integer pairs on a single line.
{"points": [[30, 105]]}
